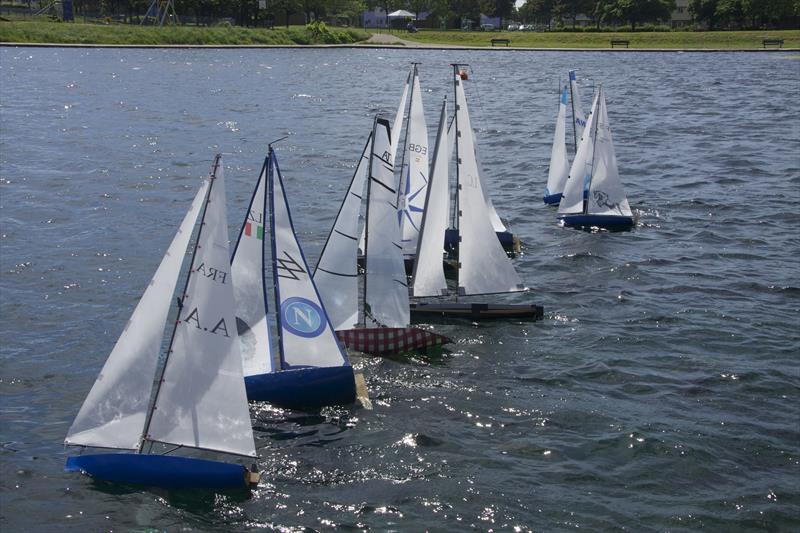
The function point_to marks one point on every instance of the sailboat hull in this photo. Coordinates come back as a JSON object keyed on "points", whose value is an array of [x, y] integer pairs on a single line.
{"points": [[303, 388], [553, 199], [599, 221], [391, 341], [162, 471], [475, 311]]}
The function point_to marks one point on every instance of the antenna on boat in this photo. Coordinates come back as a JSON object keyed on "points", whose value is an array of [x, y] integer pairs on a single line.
{"points": [[269, 144]]}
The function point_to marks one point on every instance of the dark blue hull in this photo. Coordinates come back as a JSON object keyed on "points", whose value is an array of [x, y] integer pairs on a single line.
{"points": [[553, 199], [599, 221], [162, 471], [303, 388], [506, 238]]}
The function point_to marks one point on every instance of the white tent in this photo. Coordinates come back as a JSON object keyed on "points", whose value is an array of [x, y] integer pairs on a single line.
{"points": [[400, 14]]}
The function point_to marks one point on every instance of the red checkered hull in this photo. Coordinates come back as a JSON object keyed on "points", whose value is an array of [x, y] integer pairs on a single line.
{"points": [[390, 341]]}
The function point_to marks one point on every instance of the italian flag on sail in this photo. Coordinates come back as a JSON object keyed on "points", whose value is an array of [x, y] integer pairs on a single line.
{"points": [[248, 231]]}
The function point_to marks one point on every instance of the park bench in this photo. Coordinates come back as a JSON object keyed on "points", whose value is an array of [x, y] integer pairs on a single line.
{"points": [[619, 42], [500, 41], [772, 42]]}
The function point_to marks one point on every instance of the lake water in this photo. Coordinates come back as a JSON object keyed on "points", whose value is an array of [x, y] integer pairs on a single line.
{"points": [[661, 391]]}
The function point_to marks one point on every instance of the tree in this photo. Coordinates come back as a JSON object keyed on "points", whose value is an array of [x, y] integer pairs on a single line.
{"points": [[704, 11], [636, 11]]}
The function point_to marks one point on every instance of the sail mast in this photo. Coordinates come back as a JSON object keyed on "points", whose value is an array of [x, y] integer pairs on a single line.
{"points": [[572, 102], [401, 183], [456, 81], [366, 214], [587, 187], [160, 375]]}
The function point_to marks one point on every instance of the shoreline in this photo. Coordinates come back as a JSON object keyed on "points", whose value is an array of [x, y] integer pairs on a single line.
{"points": [[400, 45]]}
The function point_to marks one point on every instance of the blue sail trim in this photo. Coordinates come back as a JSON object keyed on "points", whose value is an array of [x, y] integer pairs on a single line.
{"points": [[304, 388], [162, 471], [552, 199]]}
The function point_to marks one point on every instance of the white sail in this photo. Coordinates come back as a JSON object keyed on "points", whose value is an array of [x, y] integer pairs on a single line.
{"points": [[415, 184], [201, 402], [428, 278], [484, 265], [578, 118], [606, 194], [247, 268], [336, 274], [559, 164], [494, 218], [306, 336], [114, 412], [580, 172], [399, 116], [386, 290]]}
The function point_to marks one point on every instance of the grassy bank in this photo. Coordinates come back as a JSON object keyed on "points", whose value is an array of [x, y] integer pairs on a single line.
{"points": [[672, 39], [78, 33]]}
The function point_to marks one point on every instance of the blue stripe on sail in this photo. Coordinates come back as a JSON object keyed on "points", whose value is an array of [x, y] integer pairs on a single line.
{"points": [[564, 96], [572, 75]]}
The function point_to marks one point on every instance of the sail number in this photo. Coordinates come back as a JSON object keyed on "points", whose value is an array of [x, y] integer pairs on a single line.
{"points": [[418, 148]]}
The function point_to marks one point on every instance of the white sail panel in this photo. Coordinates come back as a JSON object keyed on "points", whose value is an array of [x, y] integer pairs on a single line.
{"points": [[580, 172], [247, 268], [412, 199], [398, 118], [336, 274], [306, 335], [494, 218], [559, 164], [114, 413], [428, 279], [484, 265], [202, 402], [578, 118], [606, 194], [386, 291]]}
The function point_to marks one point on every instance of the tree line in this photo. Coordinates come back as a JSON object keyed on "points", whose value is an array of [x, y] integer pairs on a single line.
{"points": [[712, 14]]}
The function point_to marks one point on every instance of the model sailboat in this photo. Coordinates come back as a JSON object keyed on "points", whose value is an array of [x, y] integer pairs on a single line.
{"points": [[559, 162], [483, 266], [593, 195], [385, 329], [309, 369], [197, 400]]}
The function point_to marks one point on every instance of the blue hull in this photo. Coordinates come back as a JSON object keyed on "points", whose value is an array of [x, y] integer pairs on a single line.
{"points": [[303, 388], [451, 239], [162, 471], [600, 221], [553, 199]]}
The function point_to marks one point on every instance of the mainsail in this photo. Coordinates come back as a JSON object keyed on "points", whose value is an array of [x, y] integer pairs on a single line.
{"points": [[201, 400], [306, 336], [247, 268], [606, 194], [580, 173], [415, 183], [386, 291], [428, 278], [114, 412], [484, 265], [336, 274], [578, 118], [559, 164]]}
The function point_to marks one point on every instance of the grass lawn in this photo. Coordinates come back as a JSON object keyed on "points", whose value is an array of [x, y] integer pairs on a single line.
{"points": [[79, 33], [673, 39]]}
